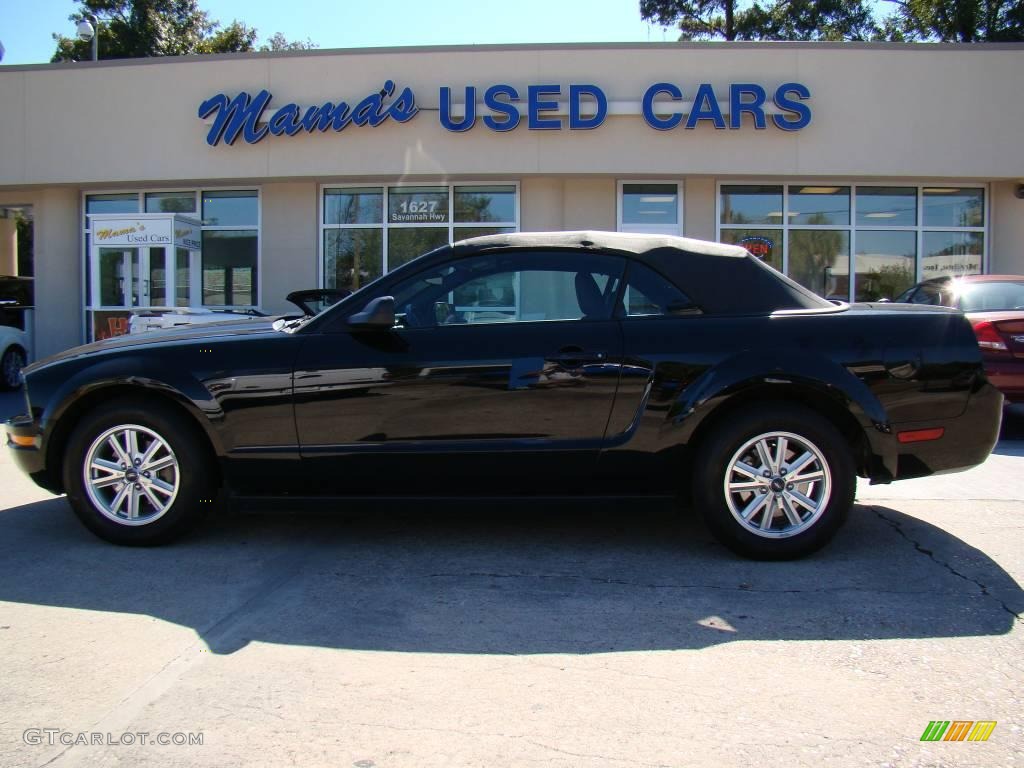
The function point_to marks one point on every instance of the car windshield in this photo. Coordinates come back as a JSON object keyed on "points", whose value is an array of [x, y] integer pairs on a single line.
{"points": [[992, 296]]}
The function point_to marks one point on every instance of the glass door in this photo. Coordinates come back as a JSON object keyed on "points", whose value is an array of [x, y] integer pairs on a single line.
{"points": [[119, 283], [155, 286]]}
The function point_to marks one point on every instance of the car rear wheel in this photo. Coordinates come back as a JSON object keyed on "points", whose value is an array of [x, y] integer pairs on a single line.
{"points": [[774, 482], [136, 474], [11, 363]]}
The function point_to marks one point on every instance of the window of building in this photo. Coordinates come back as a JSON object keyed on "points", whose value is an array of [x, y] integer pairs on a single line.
{"points": [[650, 207], [886, 237], [228, 274], [366, 231]]}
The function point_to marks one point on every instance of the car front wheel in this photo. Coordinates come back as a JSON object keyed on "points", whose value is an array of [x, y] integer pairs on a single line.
{"points": [[135, 474], [775, 482]]}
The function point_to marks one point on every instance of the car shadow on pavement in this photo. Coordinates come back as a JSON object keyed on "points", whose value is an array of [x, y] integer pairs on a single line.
{"points": [[503, 578]]}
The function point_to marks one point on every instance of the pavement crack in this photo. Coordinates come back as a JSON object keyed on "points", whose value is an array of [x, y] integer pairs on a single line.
{"points": [[595, 757], [930, 554]]}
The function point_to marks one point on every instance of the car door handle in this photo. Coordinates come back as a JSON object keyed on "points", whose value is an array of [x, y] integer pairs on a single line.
{"points": [[574, 354]]}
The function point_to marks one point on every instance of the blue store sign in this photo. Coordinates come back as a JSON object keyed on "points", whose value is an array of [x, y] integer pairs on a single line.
{"points": [[502, 108]]}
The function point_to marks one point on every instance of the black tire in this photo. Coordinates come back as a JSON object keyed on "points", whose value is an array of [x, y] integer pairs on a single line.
{"points": [[191, 476], [11, 363], [783, 539]]}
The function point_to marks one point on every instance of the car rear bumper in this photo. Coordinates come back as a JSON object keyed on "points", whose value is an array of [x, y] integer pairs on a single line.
{"points": [[966, 440]]}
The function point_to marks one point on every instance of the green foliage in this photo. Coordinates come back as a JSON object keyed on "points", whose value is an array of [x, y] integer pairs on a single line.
{"points": [[772, 20], [277, 42], [958, 21], [140, 28], [964, 21]]}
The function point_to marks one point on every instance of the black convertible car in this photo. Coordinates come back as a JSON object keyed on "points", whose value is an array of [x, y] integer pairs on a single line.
{"points": [[532, 365]]}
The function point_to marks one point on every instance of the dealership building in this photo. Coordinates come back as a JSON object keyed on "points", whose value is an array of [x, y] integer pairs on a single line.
{"points": [[229, 181]]}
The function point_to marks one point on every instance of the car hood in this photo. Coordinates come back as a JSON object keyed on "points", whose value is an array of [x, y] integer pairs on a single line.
{"points": [[263, 325]]}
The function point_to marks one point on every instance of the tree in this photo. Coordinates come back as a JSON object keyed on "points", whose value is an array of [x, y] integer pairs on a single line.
{"points": [[699, 19], [820, 20], [140, 28], [957, 21], [775, 20], [277, 42]]}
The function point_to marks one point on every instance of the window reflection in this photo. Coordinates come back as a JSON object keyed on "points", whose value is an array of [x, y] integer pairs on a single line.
{"points": [[230, 208], [885, 263], [751, 204], [170, 202], [953, 207], [229, 267], [406, 243], [887, 206], [119, 203], [650, 204], [483, 203], [819, 259], [352, 257], [952, 253], [358, 205], [819, 205]]}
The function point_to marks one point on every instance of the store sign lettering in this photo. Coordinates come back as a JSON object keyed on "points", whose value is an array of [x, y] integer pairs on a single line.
{"points": [[241, 115], [501, 107], [132, 235]]}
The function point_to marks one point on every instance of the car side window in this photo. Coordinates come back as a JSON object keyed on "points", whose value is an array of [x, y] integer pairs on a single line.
{"points": [[509, 287], [649, 294]]}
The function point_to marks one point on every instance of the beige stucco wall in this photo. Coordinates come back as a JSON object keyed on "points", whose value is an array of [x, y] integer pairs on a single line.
{"points": [[288, 242], [914, 111], [58, 271], [699, 208], [1006, 252]]}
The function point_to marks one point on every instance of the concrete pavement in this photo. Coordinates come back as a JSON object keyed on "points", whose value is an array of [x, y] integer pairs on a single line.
{"points": [[584, 635]]}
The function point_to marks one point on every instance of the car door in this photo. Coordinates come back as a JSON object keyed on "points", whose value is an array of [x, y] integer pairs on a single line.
{"points": [[498, 378]]}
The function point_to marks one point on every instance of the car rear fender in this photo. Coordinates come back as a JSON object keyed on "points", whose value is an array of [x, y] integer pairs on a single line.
{"points": [[804, 377]]}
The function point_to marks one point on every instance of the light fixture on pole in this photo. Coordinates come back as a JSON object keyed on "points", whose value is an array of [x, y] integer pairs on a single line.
{"points": [[87, 31]]}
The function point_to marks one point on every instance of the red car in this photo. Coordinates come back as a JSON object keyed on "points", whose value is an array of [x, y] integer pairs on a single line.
{"points": [[995, 306]]}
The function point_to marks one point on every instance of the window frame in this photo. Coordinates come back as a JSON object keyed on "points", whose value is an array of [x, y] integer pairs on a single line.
{"points": [[384, 225], [621, 226], [851, 229]]}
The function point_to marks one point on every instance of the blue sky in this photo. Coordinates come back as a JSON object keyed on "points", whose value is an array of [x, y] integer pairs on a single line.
{"points": [[26, 25]]}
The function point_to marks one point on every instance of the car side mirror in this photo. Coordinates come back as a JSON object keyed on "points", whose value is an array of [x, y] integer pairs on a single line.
{"points": [[379, 314]]}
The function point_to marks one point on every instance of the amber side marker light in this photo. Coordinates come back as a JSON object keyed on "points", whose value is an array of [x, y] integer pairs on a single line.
{"points": [[24, 442], [920, 435]]}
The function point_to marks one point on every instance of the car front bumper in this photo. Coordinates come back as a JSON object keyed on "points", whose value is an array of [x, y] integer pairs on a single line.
{"points": [[24, 441]]}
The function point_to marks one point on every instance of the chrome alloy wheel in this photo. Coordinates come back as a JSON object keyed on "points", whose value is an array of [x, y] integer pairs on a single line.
{"points": [[131, 474], [777, 485]]}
